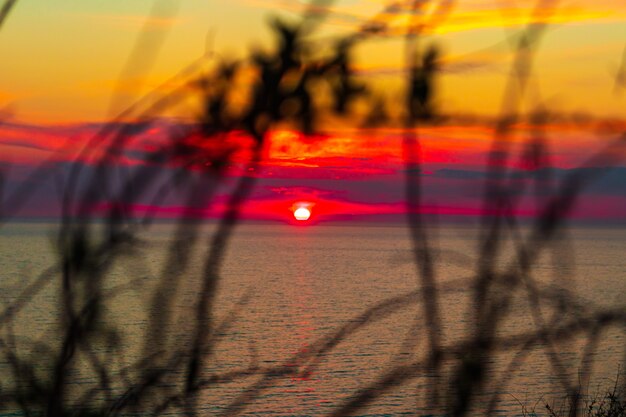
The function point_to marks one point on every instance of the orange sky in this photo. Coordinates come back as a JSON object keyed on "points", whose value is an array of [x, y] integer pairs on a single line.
{"points": [[68, 67], [63, 63]]}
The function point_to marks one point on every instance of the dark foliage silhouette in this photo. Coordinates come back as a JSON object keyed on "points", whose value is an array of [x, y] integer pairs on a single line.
{"points": [[198, 159]]}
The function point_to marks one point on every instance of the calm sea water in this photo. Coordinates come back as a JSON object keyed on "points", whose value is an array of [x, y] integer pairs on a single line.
{"points": [[284, 288]]}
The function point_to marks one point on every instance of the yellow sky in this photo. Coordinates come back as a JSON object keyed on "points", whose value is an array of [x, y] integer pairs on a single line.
{"points": [[62, 62]]}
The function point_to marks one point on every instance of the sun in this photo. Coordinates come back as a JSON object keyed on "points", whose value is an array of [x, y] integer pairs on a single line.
{"points": [[302, 214], [302, 211]]}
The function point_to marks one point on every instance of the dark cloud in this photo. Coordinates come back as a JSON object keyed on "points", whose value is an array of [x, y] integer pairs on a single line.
{"points": [[25, 144], [611, 181]]}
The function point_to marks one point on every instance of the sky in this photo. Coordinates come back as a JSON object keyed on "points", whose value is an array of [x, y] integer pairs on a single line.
{"points": [[68, 66]]}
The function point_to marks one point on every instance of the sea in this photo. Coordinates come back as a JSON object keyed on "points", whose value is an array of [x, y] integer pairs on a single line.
{"points": [[304, 320]]}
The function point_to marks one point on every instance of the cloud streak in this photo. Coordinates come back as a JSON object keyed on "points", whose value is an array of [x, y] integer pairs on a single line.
{"points": [[346, 173], [466, 16]]}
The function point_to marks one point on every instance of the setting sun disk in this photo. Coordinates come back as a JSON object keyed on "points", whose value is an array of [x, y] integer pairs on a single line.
{"points": [[302, 214]]}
